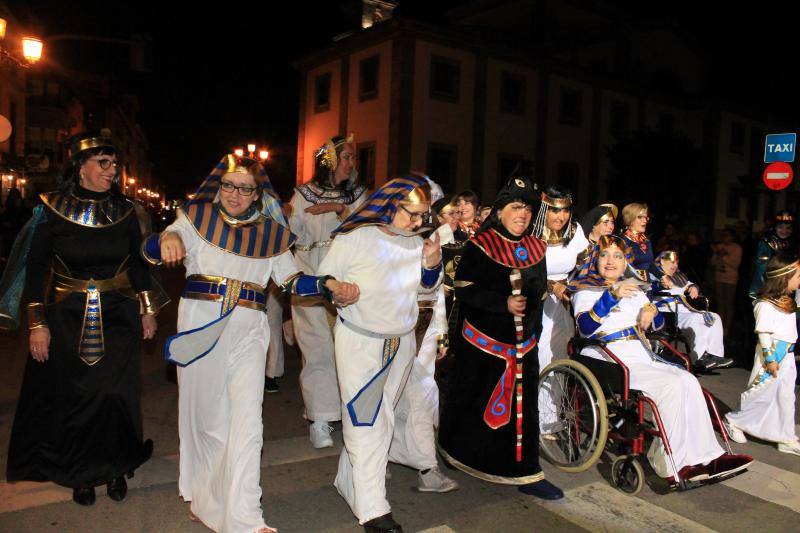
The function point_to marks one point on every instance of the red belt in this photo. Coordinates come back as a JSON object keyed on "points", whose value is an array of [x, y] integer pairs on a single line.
{"points": [[498, 410]]}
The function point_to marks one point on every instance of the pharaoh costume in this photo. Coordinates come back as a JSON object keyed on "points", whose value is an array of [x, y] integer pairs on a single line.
{"points": [[677, 393], [768, 246], [597, 215], [78, 421], [313, 319], [557, 324], [489, 427], [702, 328], [767, 406], [641, 250], [221, 345], [374, 338]]}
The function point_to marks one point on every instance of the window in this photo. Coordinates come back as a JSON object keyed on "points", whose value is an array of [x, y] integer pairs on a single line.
{"points": [[445, 79], [368, 70], [442, 164], [620, 115], [570, 107], [568, 175], [737, 138], [512, 94], [366, 163], [322, 93], [506, 163]]}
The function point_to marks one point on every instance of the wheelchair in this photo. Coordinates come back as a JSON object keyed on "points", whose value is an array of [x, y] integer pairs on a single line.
{"points": [[597, 411]]}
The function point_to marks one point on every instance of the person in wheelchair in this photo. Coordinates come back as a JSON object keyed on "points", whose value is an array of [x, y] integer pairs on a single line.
{"points": [[767, 406], [612, 307], [701, 327]]}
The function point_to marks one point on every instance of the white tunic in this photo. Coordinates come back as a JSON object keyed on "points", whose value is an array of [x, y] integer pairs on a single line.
{"points": [[387, 270], [220, 395], [767, 408], [676, 392], [313, 319], [702, 338], [557, 323]]}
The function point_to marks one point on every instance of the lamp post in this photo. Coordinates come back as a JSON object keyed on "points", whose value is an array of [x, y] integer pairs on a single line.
{"points": [[252, 150], [32, 49]]}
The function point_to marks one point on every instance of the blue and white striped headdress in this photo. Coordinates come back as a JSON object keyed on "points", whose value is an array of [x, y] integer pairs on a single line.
{"points": [[379, 209]]}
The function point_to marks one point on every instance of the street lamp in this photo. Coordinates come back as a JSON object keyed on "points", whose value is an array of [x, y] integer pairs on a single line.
{"points": [[253, 149], [239, 152], [32, 49]]}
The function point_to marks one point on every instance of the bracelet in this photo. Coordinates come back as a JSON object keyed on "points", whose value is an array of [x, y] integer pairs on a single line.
{"points": [[442, 341], [649, 306], [146, 305], [36, 316], [434, 267]]}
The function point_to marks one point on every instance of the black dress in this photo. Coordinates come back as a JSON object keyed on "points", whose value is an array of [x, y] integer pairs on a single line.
{"points": [[470, 438], [79, 424]]}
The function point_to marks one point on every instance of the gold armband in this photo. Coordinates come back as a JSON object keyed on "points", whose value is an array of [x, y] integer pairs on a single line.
{"points": [[146, 304], [36, 316], [442, 341], [650, 306]]}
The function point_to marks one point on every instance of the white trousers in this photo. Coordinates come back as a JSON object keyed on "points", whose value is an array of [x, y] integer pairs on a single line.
{"points": [[219, 420], [417, 411], [312, 330], [361, 478], [275, 355], [680, 402], [767, 410], [558, 327], [702, 338]]}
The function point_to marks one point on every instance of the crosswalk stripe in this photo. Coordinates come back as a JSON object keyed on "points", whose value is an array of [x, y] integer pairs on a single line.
{"points": [[769, 483], [159, 470], [599, 507]]}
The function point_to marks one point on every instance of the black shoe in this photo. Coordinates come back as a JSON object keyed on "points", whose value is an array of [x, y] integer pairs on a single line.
{"points": [[709, 362], [383, 524], [271, 385], [85, 497], [542, 489], [117, 489]]}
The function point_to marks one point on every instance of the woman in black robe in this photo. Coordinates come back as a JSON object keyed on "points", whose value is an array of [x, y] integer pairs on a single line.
{"points": [[484, 430], [78, 421]]}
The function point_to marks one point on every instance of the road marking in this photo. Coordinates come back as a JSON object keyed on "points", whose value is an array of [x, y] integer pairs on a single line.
{"points": [[600, 507], [159, 470], [769, 483]]}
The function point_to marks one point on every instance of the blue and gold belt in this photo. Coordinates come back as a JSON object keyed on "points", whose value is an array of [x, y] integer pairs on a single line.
{"points": [[225, 290], [626, 334]]}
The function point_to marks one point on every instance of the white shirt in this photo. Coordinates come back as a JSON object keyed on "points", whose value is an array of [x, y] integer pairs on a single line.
{"points": [[387, 270], [561, 259]]}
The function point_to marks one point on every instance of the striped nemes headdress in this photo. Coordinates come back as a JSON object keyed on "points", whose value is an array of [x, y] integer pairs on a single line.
{"points": [[588, 275], [265, 236], [379, 209]]}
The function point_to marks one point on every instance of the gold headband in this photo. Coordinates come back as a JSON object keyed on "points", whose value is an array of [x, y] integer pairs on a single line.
{"points": [[419, 195], [446, 209], [670, 256], [236, 164], [784, 218], [788, 269], [558, 203], [328, 152], [104, 139]]}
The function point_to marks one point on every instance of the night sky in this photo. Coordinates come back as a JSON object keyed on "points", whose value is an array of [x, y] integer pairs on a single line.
{"points": [[221, 78]]}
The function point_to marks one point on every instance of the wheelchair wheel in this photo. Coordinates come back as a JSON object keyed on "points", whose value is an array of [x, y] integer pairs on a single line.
{"points": [[572, 403], [627, 474]]}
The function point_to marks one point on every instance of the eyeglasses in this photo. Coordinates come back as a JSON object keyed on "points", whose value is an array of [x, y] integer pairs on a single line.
{"points": [[643, 217], [230, 187], [105, 163], [414, 216]]}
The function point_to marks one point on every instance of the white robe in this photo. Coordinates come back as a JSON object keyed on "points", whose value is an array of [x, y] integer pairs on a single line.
{"points": [[313, 319], [676, 392], [767, 409], [557, 323], [220, 395], [387, 270], [275, 355], [702, 338]]}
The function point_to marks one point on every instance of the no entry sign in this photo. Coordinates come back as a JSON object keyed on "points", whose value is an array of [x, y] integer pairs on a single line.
{"points": [[778, 176]]}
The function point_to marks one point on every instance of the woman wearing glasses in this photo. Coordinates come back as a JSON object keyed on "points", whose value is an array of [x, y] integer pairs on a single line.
{"points": [[78, 420], [233, 239]]}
